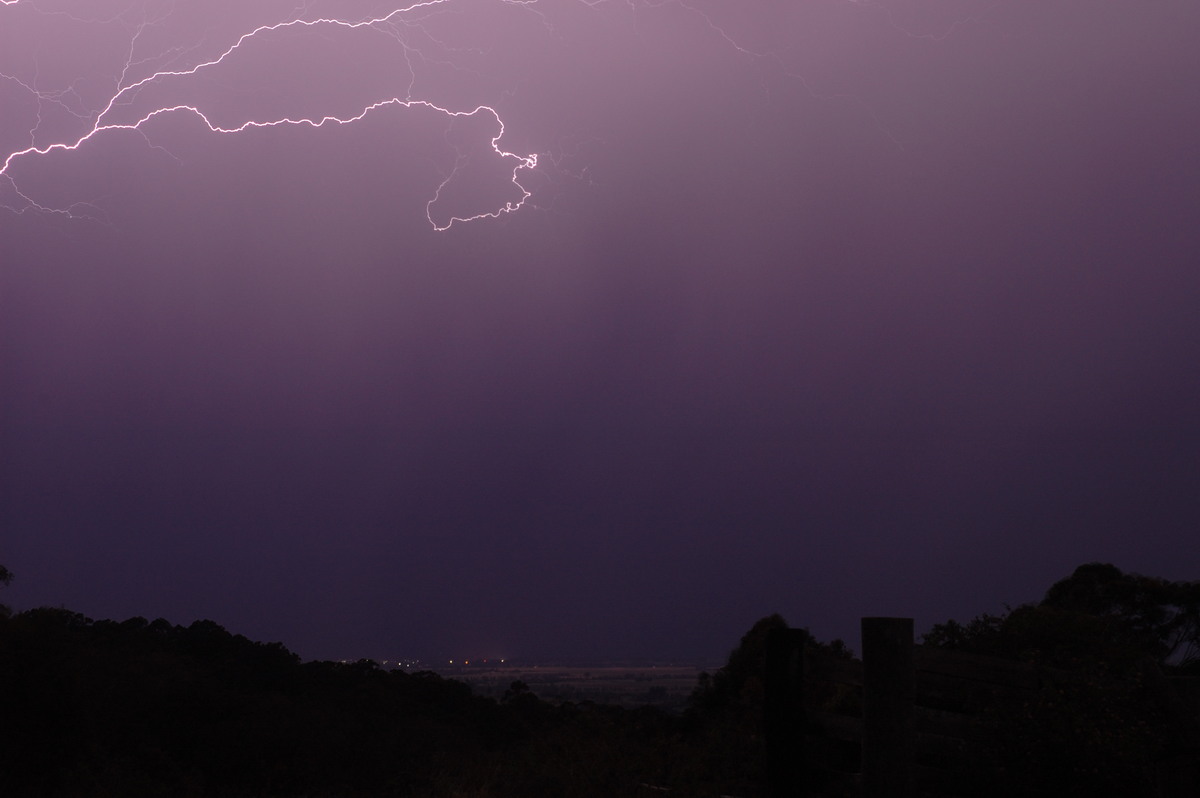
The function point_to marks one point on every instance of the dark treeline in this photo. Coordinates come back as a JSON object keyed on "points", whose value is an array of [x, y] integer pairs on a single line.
{"points": [[139, 708]]}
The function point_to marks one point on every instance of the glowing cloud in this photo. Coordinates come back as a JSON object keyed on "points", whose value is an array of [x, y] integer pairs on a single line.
{"points": [[157, 77]]}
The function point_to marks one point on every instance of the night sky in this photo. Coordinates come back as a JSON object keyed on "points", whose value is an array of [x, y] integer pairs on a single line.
{"points": [[820, 307]]}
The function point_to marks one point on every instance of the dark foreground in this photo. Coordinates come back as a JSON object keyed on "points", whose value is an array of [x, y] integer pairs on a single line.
{"points": [[137, 708]]}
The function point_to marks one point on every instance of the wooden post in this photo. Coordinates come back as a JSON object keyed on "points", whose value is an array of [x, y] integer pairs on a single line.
{"points": [[888, 721], [784, 712]]}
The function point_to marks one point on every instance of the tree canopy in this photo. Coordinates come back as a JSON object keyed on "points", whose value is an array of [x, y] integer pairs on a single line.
{"points": [[1153, 614], [1098, 612], [5, 577]]}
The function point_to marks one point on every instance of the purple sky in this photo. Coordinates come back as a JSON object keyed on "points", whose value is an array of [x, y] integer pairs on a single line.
{"points": [[825, 308]]}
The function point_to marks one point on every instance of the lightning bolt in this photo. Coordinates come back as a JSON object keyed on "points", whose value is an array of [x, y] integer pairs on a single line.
{"points": [[113, 114], [127, 90]]}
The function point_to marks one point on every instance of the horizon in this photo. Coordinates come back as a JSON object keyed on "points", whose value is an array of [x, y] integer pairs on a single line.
{"points": [[447, 662]]}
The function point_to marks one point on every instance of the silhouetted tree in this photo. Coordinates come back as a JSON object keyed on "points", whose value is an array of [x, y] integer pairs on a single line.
{"points": [[981, 634], [1095, 725], [1097, 614], [1158, 617], [738, 686], [517, 691], [5, 578]]}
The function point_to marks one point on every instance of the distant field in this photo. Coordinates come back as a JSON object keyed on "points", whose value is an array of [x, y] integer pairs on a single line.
{"points": [[664, 686]]}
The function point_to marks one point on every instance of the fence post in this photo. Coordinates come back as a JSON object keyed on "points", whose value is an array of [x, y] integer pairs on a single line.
{"points": [[784, 712], [888, 721]]}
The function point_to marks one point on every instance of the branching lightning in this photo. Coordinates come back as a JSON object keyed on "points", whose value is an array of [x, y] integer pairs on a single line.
{"points": [[138, 73], [102, 121]]}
